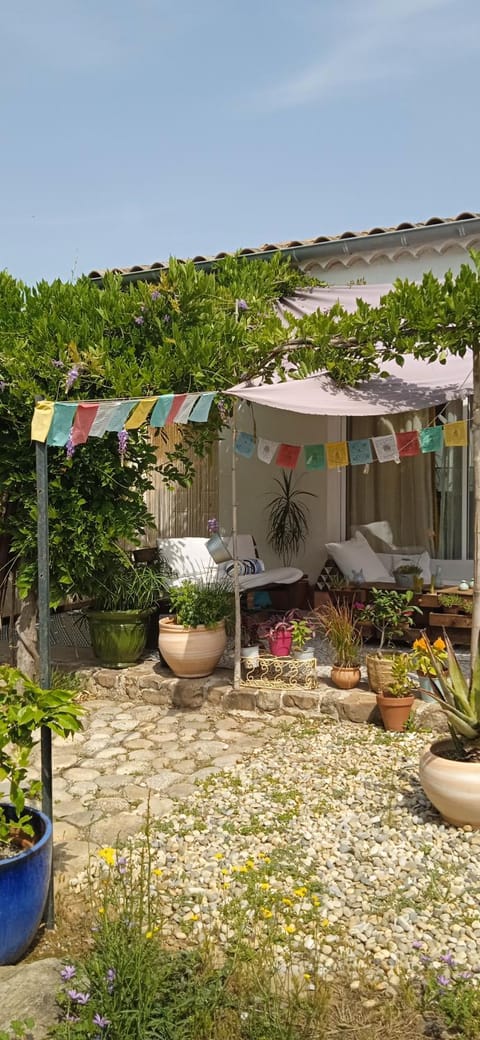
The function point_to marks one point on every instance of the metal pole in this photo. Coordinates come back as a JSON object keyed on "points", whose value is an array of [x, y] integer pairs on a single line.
{"points": [[236, 585], [41, 458]]}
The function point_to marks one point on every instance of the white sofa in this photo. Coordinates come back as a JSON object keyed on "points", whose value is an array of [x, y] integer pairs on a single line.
{"points": [[190, 558], [370, 556]]}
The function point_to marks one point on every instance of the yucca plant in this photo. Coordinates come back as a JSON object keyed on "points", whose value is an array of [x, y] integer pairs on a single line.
{"points": [[459, 700], [288, 518]]}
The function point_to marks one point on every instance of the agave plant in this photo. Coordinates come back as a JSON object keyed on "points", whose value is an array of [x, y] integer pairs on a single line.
{"points": [[459, 699]]}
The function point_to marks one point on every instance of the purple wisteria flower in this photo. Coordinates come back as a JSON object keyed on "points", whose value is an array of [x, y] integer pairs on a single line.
{"points": [[72, 376], [139, 320], [155, 295], [70, 447], [242, 305], [122, 442], [78, 998], [100, 1020], [68, 972], [443, 980], [57, 364], [212, 526]]}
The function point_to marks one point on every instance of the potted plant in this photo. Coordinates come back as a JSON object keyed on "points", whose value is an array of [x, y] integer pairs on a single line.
{"points": [[339, 622], [287, 517], [192, 639], [421, 662], [25, 832], [390, 613], [450, 768], [250, 649], [395, 700], [303, 631], [124, 598], [407, 575], [278, 631]]}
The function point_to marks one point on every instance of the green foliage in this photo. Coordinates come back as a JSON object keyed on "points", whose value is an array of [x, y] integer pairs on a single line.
{"points": [[389, 612], [459, 699], [402, 684], [303, 632], [201, 603], [408, 568], [123, 585], [453, 994], [19, 1029], [24, 708], [287, 517], [176, 336], [339, 622], [460, 603]]}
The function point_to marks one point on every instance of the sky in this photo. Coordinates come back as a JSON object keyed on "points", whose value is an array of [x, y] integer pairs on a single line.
{"points": [[132, 130]]}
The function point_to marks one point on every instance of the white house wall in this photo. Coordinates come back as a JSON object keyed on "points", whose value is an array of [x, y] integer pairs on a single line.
{"points": [[384, 268], [255, 480]]}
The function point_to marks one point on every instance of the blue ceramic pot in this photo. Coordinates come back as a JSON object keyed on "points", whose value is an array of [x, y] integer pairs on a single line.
{"points": [[24, 881]]}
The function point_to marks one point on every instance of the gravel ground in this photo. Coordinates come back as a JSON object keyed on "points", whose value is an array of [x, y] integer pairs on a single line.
{"points": [[323, 837]]}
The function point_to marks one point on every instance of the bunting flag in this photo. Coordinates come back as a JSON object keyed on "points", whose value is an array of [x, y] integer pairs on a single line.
{"points": [[287, 456], [54, 421], [140, 413], [431, 439], [83, 421], [62, 422], [314, 456], [360, 452], [244, 445], [266, 449], [337, 454], [386, 448], [408, 444], [455, 434]]}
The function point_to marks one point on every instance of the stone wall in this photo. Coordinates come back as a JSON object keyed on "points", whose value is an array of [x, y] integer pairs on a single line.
{"points": [[152, 684]]}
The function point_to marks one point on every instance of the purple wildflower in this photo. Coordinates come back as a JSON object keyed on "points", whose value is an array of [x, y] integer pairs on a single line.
{"points": [[443, 980], [70, 447], [122, 442], [57, 364], [139, 320], [68, 972], [78, 998], [166, 319], [155, 294], [100, 1020], [122, 860], [417, 944], [111, 974], [449, 959], [466, 975], [242, 305], [72, 376], [425, 959]]}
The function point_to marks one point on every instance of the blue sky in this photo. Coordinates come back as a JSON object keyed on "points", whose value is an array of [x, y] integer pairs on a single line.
{"points": [[136, 129]]}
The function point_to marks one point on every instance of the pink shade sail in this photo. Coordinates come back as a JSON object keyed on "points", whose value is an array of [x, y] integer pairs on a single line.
{"points": [[416, 385]]}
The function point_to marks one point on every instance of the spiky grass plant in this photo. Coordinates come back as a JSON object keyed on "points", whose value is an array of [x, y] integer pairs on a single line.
{"points": [[459, 699]]}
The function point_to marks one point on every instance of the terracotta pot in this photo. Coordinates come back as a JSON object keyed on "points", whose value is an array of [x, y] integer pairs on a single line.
{"points": [[453, 787], [394, 711], [344, 678], [280, 644], [191, 653]]}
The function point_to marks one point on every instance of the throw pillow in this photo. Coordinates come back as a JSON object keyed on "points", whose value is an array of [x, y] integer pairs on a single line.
{"points": [[250, 566], [355, 557]]}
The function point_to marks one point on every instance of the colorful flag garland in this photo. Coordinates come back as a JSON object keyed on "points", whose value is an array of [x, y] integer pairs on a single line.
{"points": [[337, 454], [62, 422]]}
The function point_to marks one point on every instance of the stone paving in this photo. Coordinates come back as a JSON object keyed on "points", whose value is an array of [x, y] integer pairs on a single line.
{"points": [[134, 755]]}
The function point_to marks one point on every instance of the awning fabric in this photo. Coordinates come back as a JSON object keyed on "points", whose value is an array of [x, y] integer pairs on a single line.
{"points": [[418, 384]]}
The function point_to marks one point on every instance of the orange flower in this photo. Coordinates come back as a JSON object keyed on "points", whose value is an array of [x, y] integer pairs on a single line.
{"points": [[439, 644]]}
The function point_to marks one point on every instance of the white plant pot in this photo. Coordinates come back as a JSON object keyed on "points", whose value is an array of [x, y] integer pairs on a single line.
{"points": [[304, 655], [452, 787], [250, 653]]}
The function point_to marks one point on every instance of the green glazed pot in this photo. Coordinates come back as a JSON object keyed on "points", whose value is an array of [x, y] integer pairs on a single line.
{"points": [[118, 636]]}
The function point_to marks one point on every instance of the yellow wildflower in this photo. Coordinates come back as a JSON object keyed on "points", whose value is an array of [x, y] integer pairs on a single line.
{"points": [[265, 885], [224, 870], [439, 644], [157, 872], [265, 912], [219, 855], [315, 901], [290, 928], [149, 935], [301, 892], [307, 976], [101, 909], [287, 901], [108, 855], [325, 922], [250, 864], [194, 917]]}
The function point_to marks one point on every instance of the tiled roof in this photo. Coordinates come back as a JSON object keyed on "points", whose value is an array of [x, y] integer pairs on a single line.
{"points": [[160, 265]]}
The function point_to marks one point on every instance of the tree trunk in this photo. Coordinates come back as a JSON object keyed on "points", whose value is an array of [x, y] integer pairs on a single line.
{"points": [[476, 493], [26, 629]]}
